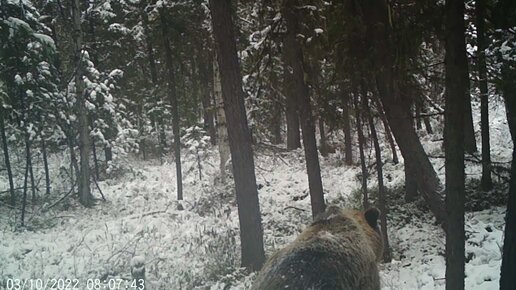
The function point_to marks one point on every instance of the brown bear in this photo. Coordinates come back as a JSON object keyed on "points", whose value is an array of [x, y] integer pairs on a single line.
{"points": [[339, 250]]}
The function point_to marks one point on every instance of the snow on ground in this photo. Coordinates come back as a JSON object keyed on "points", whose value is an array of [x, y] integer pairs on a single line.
{"points": [[198, 247]]}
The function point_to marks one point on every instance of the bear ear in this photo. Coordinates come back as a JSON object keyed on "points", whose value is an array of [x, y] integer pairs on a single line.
{"points": [[371, 215]]}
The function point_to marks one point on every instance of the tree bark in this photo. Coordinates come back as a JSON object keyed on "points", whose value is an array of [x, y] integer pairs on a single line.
{"points": [[174, 102], [486, 183], [382, 201], [456, 82], [376, 16], [506, 19], [251, 232], [6, 156], [296, 72], [84, 137], [508, 280], [222, 130]]}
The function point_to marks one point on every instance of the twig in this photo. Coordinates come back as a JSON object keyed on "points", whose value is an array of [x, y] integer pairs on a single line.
{"points": [[98, 187], [293, 207], [59, 200]]}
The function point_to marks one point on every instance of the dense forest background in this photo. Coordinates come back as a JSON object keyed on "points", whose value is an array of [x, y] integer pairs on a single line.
{"points": [[99, 96]]}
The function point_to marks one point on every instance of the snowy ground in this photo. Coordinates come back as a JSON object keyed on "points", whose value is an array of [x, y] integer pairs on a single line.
{"points": [[198, 248]]}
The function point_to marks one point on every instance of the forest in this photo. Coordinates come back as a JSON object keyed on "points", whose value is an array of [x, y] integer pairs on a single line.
{"points": [[180, 144]]}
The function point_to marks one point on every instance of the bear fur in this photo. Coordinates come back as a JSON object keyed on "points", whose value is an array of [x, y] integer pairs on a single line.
{"points": [[339, 250]]}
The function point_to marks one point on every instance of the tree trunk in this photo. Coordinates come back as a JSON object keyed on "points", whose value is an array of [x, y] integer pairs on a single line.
{"points": [[222, 131], [506, 20], [291, 114], [382, 201], [159, 126], [84, 137], [25, 180], [426, 120], [95, 160], [74, 167], [275, 126], [207, 106], [251, 232], [6, 156], [418, 104], [348, 149], [25, 118], [456, 66], [386, 126], [174, 102], [470, 144], [410, 180], [376, 16], [508, 279], [323, 145], [295, 72], [31, 172], [45, 165], [486, 182], [361, 144], [148, 43]]}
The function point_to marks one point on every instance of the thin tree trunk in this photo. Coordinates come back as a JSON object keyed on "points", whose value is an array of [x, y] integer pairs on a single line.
{"points": [[295, 62], [470, 144], [159, 126], [348, 149], [387, 128], [222, 131], [45, 165], [454, 141], [174, 103], [323, 145], [25, 180], [203, 85], [31, 172], [426, 120], [376, 16], [25, 112], [95, 160], [418, 105], [74, 166], [251, 233], [207, 106], [361, 144], [291, 114], [486, 182], [84, 138], [275, 126], [6, 156], [382, 201]]}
